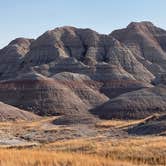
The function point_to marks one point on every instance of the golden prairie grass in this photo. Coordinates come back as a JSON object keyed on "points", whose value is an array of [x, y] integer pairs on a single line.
{"points": [[92, 151], [18, 127], [22, 123], [46, 158], [117, 123], [138, 150], [123, 123]]}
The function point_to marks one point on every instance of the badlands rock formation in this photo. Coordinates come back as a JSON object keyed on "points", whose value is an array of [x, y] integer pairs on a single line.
{"points": [[11, 55], [147, 42], [51, 96], [134, 105], [10, 113], [69, 71]]}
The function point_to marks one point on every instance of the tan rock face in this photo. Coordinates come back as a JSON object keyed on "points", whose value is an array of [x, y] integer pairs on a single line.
{"points": [[69, 70]]}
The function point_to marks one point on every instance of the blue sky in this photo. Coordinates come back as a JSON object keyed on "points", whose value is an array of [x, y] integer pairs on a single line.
{"points": [[30, 18]]}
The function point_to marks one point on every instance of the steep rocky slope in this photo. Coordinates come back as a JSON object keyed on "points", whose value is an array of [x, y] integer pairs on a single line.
{"points": [[87, 48], [147, 42], [11, 57]]}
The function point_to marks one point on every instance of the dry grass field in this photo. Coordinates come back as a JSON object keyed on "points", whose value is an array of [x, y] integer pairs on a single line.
{"points": [[100, 149], [90, 152], [46, 158], [136, 150]]}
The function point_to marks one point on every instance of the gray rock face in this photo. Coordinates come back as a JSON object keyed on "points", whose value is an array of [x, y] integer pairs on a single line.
{"points": [[11, 57], [153, 125], [134, 105], [116, 80], [85, 88], [160, 79], [147, 43], [85, 46], [69, 71]]}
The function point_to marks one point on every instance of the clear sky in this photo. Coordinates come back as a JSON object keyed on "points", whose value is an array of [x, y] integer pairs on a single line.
{"points": [[30, 18]]}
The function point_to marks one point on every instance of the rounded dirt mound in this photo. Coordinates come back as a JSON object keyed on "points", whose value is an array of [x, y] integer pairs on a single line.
{"points": [[134, 105], [8, 112]]}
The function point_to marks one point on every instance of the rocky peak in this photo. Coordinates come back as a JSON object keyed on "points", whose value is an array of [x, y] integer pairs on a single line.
{"points": [[21, 41], [19, 46], [140, 24], [147, 42], [11, 56]]}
